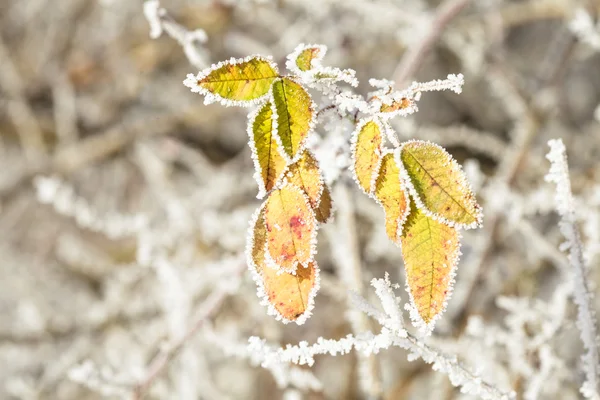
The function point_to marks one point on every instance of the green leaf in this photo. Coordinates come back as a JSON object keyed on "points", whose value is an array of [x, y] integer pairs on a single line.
{"points": [[295, 116], [366, 153], [235, 82], [430, 250], [268, 162], [390, 193], [438, 184]]}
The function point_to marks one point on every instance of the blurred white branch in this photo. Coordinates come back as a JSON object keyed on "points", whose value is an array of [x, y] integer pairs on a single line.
{"points": [[586, 319]]}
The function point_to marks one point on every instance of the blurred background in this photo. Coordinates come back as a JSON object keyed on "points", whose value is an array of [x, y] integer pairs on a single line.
{"points": [[125, 201]]}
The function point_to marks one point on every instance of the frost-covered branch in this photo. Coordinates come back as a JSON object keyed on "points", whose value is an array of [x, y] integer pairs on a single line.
{"points": [[367, 343], [160, 21], [586, 319]]}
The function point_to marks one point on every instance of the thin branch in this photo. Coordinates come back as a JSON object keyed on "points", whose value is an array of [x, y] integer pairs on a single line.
{"points": [[413, 58]]}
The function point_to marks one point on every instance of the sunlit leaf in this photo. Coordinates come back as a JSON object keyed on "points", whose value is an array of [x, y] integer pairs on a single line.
{"points": [[391, 194], [236, 82], [295, 115], [366, 153], [268, 162], [291, 229], [396, 105], [430, 250], [438, 184], [306, 175], [289, 297], [304, 60]]}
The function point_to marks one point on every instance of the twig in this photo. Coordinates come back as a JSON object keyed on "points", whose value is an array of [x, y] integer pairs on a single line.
{"points": [[586, 318], [410, 62], [161, 360]]}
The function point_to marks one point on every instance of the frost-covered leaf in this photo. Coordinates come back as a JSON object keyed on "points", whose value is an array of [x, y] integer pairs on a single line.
{"points": [[235, 82], [366, 151], [305, 57], [324, 210], [430, 250], [289, 297], [291, 229], [438, 184], [308, 55], [268, 162], [306, 175], [295, 115], [395, 105], [393, 197]]}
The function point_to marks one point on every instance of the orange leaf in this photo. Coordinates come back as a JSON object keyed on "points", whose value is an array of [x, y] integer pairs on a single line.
{"points": [[291, 229], [289, 297]]}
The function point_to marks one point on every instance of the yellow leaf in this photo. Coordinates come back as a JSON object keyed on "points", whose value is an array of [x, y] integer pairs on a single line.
{"points": [[306, 175], [390, 193], [438, 184], [430, 250], [305, 58], [236, 82], [268, 162], [295, 116], [289, 297], [366, 153], [291, 229]]}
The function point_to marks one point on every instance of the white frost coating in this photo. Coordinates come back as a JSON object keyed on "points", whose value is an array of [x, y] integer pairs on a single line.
{"points": [[153, 12], [191, 82], [354, 143], [315, 62], [254, 152], [424, 328], [586, 318], [582, 26], [402, 219], [260, 288], [453, 82], [158, 19], [311, 126], [392, 334], [51, 190], [405, 177], [269, 260]]}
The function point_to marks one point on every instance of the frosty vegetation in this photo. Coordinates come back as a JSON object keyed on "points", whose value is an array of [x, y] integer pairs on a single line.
{"points": [[303, 215]]}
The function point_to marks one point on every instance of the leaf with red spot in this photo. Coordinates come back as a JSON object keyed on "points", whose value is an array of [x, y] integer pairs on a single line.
{"points": [[290, 297], [291, 229]]}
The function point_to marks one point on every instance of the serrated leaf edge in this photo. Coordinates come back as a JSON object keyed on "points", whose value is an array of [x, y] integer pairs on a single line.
{"points": [[191, 81], [419, 202]]}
